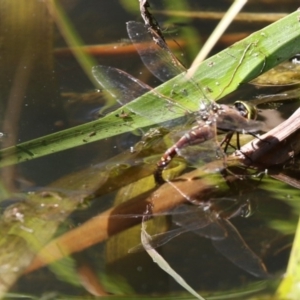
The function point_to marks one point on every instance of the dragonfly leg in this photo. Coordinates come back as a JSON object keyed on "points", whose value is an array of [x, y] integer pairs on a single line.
{"points": [[226, 140]]}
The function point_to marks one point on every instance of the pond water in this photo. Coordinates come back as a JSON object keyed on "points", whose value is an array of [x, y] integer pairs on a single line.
{"points": [[247, 225]]}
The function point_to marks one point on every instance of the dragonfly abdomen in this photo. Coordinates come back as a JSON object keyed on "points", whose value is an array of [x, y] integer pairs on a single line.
{"points": [[196, 135]]}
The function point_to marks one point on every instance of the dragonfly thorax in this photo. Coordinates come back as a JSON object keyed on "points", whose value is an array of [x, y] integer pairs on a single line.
{"points": [[210, 113]]}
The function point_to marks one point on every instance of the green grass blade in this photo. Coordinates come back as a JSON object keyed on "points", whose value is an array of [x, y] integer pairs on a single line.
{"points": [[72, 39], [219, 75], [289, 286]]}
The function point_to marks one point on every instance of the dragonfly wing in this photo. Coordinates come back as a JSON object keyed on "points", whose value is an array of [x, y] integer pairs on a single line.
{"points": [[202, 149], [234, 248], [159, 60], [186, 215], [121, 85], [125, 88], [183, 216], [212, 231], [162, 63], [199, 155], [232, 120], [159, 239], [196, 219]]}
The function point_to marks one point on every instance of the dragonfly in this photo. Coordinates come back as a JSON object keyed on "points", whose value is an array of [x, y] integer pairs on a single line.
{"points": [[200, 127], [160, 61], [206, 220]]}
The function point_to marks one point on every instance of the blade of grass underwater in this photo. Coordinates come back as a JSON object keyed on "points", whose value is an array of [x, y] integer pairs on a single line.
{"points": [[163, 264], [219, 75], [191, 36], [40, 214], [224, 23], [289, 286], [73, 40]]}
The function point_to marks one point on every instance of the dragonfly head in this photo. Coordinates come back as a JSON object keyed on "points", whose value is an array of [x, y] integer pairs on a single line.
{"points": [[246, 109]]}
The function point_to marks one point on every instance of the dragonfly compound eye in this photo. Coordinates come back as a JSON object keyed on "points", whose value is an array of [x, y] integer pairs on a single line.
{"points": [[246, 109]]}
